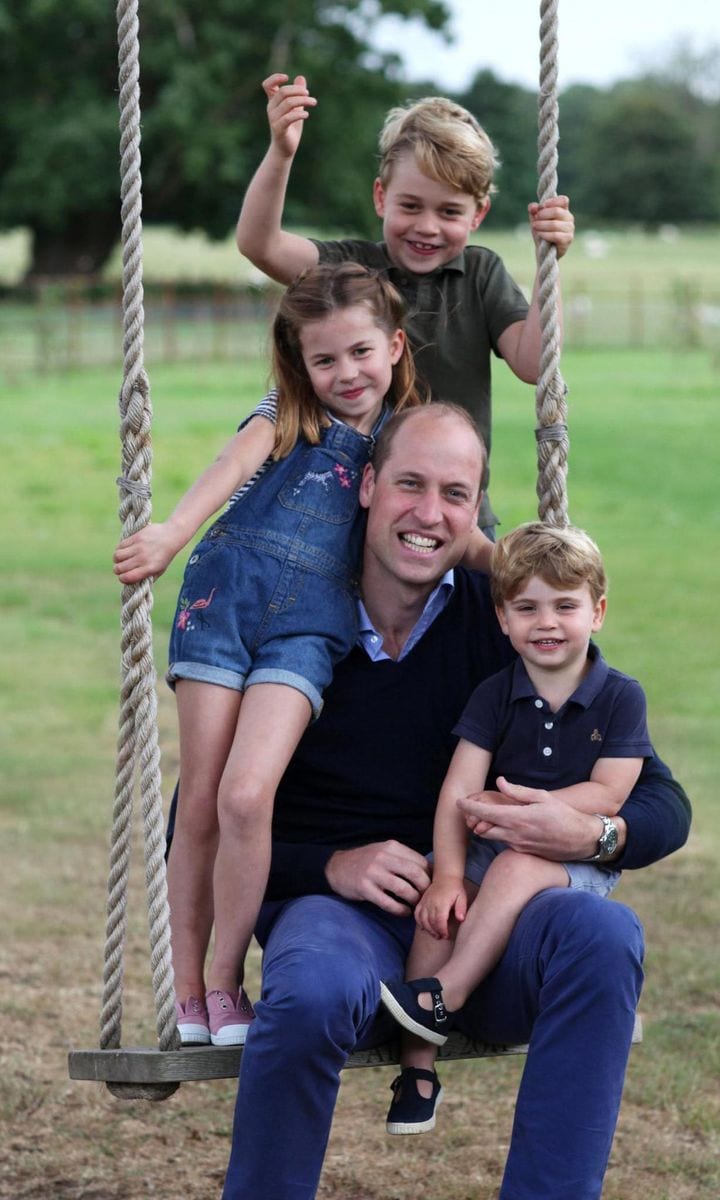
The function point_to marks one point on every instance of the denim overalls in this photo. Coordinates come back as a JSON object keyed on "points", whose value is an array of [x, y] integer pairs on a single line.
{"points": [[269, 593]]}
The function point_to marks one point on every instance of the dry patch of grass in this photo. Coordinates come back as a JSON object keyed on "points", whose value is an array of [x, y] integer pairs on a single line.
{"points": [[74, 1141]]}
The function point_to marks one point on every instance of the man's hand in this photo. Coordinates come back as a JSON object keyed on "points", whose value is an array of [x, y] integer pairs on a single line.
{"points": [[388, 874], [444, 900], [535, 822], [553, 222], [287, 109]]}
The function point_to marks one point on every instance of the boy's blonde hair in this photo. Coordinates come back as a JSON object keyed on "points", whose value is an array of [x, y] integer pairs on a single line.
{"points": [[563, 558], [448, 144], [317, 293]]}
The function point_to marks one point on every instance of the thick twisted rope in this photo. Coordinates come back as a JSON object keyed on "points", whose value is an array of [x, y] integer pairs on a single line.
{"points": [[137, 735], [550, 404]]}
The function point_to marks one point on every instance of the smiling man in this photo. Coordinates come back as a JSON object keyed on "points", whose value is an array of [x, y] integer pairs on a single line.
{"points": [[352, 828]]}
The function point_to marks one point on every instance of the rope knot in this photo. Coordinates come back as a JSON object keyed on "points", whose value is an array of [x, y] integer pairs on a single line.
{"points": [[551, 433], [132, 488]]}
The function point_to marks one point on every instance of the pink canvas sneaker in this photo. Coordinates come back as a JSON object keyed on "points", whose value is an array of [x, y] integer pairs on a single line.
{"points": [[192, 1022], [229, 1019]]}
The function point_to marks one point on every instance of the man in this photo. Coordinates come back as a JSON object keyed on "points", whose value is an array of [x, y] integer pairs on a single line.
{"points": [[353, 823]]}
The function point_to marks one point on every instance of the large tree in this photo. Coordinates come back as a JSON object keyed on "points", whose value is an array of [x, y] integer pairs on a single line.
{"points": [[508, 112], [204, 125], [643, 157]]}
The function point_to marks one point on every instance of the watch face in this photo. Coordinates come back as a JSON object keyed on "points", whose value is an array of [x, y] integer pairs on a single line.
{"points": [[609, 840]]}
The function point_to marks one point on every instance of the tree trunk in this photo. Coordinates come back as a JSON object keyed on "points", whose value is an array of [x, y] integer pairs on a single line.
{"points": [[80, 248]]}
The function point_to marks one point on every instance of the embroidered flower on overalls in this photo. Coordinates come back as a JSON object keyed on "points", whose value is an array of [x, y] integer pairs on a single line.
{"points": [[344, 476], [183, 621], [324, 478]]}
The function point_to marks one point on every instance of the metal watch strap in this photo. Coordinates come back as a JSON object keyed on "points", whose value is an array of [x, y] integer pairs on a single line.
{"points": [[608, 840]]}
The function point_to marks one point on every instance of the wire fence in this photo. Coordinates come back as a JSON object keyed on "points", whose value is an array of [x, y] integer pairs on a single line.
{"points": [[62, 328]]}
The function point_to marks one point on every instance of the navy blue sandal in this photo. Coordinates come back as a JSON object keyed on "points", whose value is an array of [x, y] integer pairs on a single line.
{"points": [[401, 999], [410, 1112]]}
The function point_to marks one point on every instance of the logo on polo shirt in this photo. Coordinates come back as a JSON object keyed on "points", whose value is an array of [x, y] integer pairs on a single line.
{"points": [[596, 736]]}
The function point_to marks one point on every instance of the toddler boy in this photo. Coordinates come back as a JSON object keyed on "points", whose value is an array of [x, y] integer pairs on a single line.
{"points": [[558, 719]]}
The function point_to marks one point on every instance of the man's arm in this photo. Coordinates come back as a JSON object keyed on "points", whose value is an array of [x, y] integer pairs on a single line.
{"points": [[653, 822], [657, 814], [521, 343], [478, 555], [260, 236]]}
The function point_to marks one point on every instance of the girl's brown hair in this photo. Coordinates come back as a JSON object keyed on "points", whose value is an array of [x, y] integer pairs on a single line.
{"points": [[317, 293]]}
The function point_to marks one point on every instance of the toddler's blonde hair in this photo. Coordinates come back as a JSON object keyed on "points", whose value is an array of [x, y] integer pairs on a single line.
{"points": [[564, 558]]}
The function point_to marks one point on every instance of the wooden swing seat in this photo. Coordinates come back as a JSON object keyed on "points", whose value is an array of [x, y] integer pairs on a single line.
{"points": [[143, 1065]]}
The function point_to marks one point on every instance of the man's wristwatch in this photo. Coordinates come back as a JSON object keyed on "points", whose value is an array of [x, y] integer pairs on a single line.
{"points": [[607, 842]]}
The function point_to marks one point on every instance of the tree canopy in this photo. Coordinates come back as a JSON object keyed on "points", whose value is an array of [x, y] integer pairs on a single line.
{"points": [[645, 150], [204, 124]]}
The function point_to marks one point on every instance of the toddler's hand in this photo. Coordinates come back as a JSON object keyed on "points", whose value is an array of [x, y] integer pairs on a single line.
{"points": [[481, 828], [553, 222], [444, 900], [287, 109]]}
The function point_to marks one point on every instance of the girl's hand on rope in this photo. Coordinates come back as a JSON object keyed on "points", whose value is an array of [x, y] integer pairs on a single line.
{"points": [[287, 109], [553, 222], [147, 552]]}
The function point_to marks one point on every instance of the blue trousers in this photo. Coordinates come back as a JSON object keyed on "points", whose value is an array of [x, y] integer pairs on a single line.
{"points": [[568, 984]]}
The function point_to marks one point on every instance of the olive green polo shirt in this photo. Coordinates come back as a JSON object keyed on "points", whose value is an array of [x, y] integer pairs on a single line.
{"points": [[455, 316]]}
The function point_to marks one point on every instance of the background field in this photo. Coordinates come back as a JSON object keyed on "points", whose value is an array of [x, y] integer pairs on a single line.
{"points": [[643, 479], [621, 288]]}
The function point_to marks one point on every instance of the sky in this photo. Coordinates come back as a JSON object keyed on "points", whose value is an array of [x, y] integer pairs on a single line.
{"points": [[599, 42]]}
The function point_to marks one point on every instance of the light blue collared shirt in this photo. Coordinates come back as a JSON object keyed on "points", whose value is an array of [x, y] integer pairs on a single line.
{"points": [[371, 640]]}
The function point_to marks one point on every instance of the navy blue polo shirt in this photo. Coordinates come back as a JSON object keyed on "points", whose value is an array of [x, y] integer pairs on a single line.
{"points": [[604, 718]]}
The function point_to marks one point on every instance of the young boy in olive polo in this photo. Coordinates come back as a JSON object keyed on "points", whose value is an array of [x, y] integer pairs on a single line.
{"points": [[433, 190]]}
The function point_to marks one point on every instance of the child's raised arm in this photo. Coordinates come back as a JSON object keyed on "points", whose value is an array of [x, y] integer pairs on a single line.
{"points": [[478, 555], [152, 549], [521, 343], [260, 236]]}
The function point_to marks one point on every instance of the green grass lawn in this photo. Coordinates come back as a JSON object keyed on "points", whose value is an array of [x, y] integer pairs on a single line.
{"points": [[643, 480]]}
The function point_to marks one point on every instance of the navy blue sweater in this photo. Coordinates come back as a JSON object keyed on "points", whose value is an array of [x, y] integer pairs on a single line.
{"points": [[371, 767]]}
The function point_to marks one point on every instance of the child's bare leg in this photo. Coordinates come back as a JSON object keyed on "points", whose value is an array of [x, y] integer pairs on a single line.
{"points": [[272, 720], [427, 956], [510, 883], [207, 718]]}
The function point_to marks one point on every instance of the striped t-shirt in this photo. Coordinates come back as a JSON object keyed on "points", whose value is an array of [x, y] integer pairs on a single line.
{"points": [[266, 408]]}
